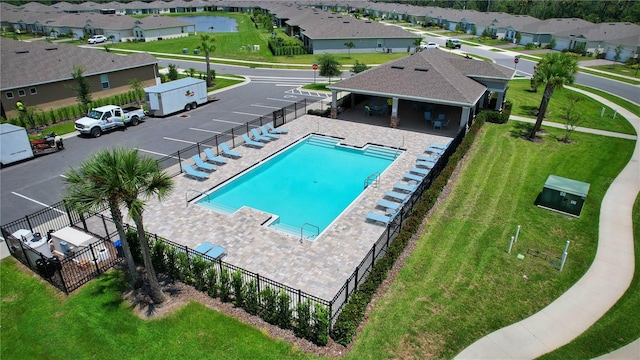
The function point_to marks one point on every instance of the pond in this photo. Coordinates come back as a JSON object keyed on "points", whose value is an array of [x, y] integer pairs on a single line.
{"points": [[219, 23]]}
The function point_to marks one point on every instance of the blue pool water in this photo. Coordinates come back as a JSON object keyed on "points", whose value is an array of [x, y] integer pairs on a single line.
{"points": [[311, 182]]}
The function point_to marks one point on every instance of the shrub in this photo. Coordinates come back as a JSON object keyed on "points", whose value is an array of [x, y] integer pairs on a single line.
{"points": [[238, 289], [303, 322], [184, 268], [321, 325], [172, 263], [199, 267], [134, 245], [212, 281], [270, 305], [252, 300], [158, 259], [225, 285], [529, 46], [283, 319]]}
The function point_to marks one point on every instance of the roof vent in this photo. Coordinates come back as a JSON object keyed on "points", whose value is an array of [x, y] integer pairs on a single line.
{"points": [[397, 67], [51, 48], [421, 69], [22, 51]]}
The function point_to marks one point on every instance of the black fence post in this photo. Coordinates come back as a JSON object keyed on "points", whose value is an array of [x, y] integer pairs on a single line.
{"points": [[29, 223]]}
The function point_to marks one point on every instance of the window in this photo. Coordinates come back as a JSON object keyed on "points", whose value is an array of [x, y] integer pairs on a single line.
{"points": [[104, 79], [33, 91], [22, 93], [9, 94]]}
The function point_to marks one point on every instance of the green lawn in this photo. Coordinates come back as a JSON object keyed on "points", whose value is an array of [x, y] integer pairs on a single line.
{"points": [[634, 108], [525, 102], [459, 283], [619, 69], [40, 323], [620, 325]]}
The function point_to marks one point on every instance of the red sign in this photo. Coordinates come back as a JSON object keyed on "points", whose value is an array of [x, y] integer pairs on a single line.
{"points": [[515, 60], [314, 66]]}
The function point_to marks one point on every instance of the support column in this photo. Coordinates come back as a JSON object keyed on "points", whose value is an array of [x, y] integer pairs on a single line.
{"points": [[334, 104], [395, 119], [499, 100], [464, 117]]}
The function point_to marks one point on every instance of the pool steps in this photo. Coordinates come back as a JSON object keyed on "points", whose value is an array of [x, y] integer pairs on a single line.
{"points": [[370, 150]]}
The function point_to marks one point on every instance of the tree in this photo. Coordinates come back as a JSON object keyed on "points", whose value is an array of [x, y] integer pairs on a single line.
{"points": [[173, 72], [92, 185], [191, 71], [616, 53], [111, 37], [359, 67], [83, 90], [136, 87], [329, 66], [555, 70], [572, 118], [141, 178], [207, 46], [350, 45], [416, 43]]}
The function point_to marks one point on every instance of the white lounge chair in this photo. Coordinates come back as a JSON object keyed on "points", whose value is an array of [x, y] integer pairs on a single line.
{"points": [[211, 157], [228, 152], [278, 130], [249, 142], [193, 173], [202, 165]]}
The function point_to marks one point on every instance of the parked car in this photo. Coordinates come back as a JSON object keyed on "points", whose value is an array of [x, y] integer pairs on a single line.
{"points": [[96, 39], [430, 45], [453, 43]]}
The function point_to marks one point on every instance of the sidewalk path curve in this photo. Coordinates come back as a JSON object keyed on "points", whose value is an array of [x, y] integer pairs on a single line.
{"points": [[595, 293]]}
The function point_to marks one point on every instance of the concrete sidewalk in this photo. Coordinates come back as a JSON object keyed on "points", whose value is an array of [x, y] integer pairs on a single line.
{"points": [[595, 293]]}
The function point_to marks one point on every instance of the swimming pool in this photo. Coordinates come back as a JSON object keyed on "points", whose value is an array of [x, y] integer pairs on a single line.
{"points": [[311, 182]]}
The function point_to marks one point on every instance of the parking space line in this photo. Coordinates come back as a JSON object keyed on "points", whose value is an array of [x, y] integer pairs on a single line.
{"points": [[265, 106], [180, 140], [37, 202], [290, 101], [244, 113], [229, 122], [209, 131], [153, 152]]}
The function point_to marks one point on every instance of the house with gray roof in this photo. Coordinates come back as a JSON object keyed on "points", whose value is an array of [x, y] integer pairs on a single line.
{"points": [[541, 32], [39, 73], [433, 78], [603, 38]]}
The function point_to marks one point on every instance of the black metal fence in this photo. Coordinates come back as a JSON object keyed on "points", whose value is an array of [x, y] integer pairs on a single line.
{"points": [[392, 230], [233, 137]]}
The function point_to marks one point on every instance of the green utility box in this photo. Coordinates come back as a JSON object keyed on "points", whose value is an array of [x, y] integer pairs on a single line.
{"points": [[563, 195]]}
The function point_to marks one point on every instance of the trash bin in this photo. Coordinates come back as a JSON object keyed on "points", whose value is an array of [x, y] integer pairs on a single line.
{"points": [[64, 247], [118, 245]]}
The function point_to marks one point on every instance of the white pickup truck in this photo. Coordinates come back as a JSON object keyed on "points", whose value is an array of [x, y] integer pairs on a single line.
{"points": [[108, 117]]}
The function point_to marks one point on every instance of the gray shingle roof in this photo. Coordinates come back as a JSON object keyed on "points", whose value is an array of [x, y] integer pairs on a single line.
{"points": [[617, 32], [552, 26], [428, 75], [31, 63]]}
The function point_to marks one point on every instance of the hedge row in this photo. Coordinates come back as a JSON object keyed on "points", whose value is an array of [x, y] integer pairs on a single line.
{"points": [[353, 312], [307, 320], [40, 118]]}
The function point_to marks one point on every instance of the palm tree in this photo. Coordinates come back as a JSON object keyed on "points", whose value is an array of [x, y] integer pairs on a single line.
{"points": [[416, 43], [141, 178], [93, 185], [350, 45], [207, 46], [555, 70]]}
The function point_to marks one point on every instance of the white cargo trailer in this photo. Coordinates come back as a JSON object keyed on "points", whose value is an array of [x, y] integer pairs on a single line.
{"points": [[173, 96], [14, 144]]}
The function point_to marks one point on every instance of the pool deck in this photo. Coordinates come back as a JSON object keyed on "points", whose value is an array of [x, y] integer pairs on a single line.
{"points": [[318, 267]]}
